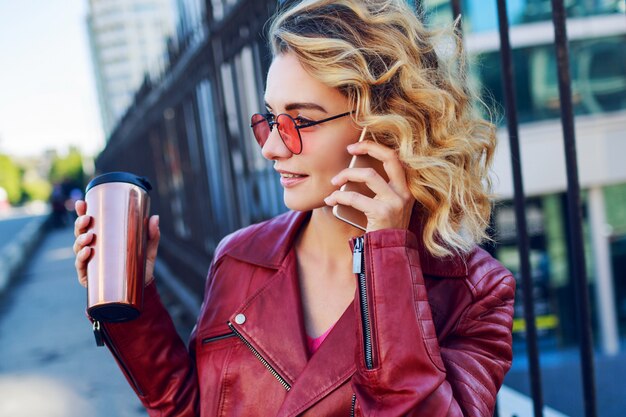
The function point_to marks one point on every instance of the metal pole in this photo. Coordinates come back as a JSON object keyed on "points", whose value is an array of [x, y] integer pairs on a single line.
{"points": [[577, 254], [508, 81], [456, 12], [605, 293]]}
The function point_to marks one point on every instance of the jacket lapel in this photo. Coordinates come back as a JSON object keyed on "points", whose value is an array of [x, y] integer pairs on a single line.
{"points": [[274, 326], [327, 369], [273, 323]]}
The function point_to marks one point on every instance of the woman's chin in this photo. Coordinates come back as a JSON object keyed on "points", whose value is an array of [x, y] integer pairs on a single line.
{"points": [[303, 204]]}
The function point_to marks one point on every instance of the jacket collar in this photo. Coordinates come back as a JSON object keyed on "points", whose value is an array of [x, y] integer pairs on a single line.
{"points": [[281, 232]]}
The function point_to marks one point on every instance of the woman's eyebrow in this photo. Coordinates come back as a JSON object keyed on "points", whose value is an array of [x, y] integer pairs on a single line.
{"points": [[305, 106], [300, 106]]}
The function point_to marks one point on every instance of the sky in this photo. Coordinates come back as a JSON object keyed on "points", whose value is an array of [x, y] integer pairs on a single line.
{"points": [[48, 96]]}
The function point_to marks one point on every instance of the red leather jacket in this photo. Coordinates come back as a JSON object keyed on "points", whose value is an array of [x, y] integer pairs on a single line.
{"points": [[424, 336]]}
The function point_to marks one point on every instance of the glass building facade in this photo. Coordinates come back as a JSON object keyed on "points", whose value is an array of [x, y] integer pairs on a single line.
{"points": [[597, 39]]}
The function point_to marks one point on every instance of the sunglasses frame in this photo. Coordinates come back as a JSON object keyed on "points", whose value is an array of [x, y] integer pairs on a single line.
{"points": [[273, 122]]}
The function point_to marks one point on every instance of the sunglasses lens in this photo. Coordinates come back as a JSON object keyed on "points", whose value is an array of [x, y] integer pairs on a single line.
{"points": [[289, 133], [260, 128]]}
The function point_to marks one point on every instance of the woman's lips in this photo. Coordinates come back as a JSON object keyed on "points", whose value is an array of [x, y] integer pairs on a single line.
{"points": [[291, 179]]}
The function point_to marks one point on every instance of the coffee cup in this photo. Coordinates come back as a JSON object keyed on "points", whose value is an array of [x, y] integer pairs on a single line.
{"points": [[119, 204]]}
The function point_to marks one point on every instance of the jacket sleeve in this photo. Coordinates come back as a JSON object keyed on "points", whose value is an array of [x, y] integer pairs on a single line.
{"points": [[408, 372], [155, 360]]}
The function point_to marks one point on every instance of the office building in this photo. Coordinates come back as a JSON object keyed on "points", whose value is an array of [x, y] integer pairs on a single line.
{"points": [[128, 39], [597, 35]]}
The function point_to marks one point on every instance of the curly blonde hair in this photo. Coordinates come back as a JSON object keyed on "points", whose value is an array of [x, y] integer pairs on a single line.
{"points": [[381, 56]]}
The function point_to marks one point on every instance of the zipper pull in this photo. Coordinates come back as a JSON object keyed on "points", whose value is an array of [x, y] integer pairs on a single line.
{"points": [[357, 256], [97, 332]]}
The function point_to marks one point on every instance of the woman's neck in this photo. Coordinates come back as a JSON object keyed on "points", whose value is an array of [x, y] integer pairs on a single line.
{"points": [[327, 284], [326, 237]]}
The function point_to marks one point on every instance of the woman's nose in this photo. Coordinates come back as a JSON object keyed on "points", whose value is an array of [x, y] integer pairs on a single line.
{"points": [[274, 147]]}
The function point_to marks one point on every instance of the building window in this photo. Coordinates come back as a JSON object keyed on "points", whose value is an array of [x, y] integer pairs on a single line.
{"points": [[598, 70]]}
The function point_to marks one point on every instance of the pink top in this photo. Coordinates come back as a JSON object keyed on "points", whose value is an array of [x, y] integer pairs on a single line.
{"points": [[314, 344]]}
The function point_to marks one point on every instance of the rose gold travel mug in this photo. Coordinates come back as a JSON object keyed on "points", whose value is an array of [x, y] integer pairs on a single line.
{"points": [[119, 204]]}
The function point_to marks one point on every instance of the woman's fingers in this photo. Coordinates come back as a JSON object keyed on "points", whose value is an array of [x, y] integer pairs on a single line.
{"points": [[392, 203], [82, 241], [154, 234], [389, 158], [81, 264], [83, 252], [81, 224], [368, 176], [83, 221], [352, 199], [81, 207]]}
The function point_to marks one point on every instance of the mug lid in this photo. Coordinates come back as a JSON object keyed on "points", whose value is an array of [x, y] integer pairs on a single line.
{"points": [[127, 177]]}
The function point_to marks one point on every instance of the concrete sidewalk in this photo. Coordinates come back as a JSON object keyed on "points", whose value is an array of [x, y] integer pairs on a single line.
{"points": [[20, 236], [49, 363]]}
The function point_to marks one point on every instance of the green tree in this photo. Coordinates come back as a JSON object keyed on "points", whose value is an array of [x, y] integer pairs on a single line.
{"points": [[10, 179], [37, 189], [68, 168]]}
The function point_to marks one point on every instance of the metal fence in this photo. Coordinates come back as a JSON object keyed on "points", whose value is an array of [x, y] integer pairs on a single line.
{"points": [[187, 130], [576, 252]]}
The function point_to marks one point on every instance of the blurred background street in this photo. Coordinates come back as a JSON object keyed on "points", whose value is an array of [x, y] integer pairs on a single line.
{"points": [[49, 363]]}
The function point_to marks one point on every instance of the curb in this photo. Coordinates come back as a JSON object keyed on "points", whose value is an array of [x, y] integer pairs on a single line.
{"points": [[14, 255]]}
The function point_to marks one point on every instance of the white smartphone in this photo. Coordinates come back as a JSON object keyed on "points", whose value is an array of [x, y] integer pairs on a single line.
{"points": [[349, 214]]}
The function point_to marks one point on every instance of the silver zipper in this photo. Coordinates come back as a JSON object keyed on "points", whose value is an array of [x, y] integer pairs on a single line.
{"points": [[265, 363], [97, 333], [358, 267], [102, 338], [353, 405]]}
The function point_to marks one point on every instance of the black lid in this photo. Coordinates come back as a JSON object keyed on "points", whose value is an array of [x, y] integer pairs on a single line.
{"points": [[120, 177]]}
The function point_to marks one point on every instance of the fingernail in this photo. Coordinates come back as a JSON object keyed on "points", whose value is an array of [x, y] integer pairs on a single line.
{"points": [[157, 219], [334, 180]]}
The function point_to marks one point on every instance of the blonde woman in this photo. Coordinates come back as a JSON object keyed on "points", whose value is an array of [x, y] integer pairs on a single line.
{"points": [[305, 315]]}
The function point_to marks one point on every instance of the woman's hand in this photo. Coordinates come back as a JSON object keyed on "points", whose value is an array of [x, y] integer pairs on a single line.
{"points": [[84, 239], [391, 207]]}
